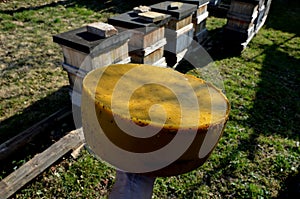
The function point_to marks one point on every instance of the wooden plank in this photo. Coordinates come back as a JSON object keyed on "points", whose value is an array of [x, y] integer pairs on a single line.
{"points": [[39, 163], [11, 145]]}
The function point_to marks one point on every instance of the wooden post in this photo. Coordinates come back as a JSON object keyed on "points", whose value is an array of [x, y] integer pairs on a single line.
{"points": [[39, 163], [26, 136]]}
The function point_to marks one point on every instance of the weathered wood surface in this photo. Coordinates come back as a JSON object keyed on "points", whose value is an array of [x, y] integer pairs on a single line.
{"points": [[175, 24], [76, 76], [39, 163], [77, 64], [20, 140], [87, 62], [148, 50], [141, 40], [239, 25], [149, 59], [201, 9], [73, 57], [200, 18], [179, 40], [244, 8]]}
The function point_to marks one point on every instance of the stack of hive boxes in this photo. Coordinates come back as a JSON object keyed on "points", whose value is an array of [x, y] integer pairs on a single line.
{"points": [[242, 16], [86, 48], [199, 19], [147, 41], [179, 30]]}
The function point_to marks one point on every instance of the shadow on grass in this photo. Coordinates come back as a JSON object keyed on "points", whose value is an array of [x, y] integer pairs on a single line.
{"points": [[92, 4], [37, 111], [277, 104], [30, 116], [216, 48], [276, 107], [284, 16], [292, 187], [275, 110], [116, 6]]}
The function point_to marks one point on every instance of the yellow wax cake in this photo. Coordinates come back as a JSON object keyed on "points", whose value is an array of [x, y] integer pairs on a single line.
{"points": [[141, 109]]}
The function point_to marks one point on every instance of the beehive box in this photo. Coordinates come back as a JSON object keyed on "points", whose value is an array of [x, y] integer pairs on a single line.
{"points": [[200, 27], [238, 23], [147, 37], [180, 39], [242, 16], [201, 32], [84, 51], [199, 18], [149, 59], [175, 24], [181, 12], [179, 30], [244, 7]]}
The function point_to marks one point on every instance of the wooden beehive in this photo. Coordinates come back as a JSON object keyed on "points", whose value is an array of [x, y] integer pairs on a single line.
{"points": [[84, 51], [149, 59], [147, 39], [179, 40], [242, 16], [199, 19], [181, 16], [179, 30], [244, 7], [175, 24]]}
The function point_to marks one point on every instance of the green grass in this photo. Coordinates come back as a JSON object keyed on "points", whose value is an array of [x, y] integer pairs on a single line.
{"points": [[258, 155]]}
